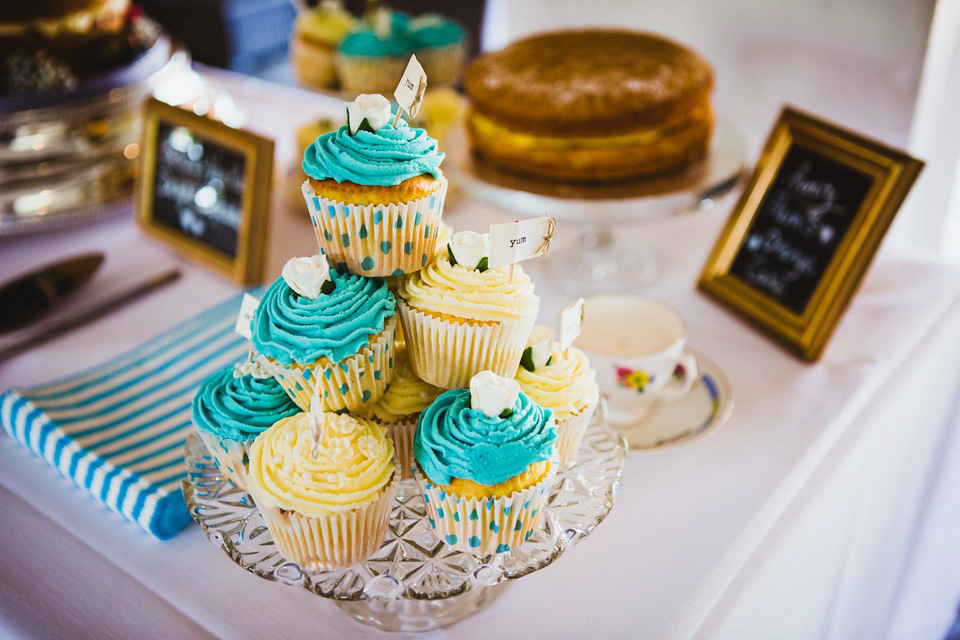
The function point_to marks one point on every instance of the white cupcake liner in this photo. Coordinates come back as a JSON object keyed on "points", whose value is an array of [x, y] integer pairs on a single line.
{"points": [[447, 354], [369, 74], [442, 64], [312, 63], [334, 541], [485, 525], [229, 456], [570, 431], [357, 381], [402, 435], [377, 239]]}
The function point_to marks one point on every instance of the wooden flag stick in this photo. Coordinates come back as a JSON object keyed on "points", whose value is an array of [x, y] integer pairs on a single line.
{"points": [[396, 118]]}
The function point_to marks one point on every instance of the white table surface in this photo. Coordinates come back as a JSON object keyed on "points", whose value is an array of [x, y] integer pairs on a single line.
{"points": [[690, 534]]}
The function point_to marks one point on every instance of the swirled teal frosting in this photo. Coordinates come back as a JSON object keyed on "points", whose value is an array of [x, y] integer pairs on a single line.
{"points": [[386, 157], [239, 408], [439, 34], [454, 441], [290, 328], [366, 42]]}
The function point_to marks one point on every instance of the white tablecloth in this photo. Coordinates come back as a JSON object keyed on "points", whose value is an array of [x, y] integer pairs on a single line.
{"points": [[795, 520]]}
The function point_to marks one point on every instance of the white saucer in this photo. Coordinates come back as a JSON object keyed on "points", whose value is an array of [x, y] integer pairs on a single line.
{"points": [[672, 424]]}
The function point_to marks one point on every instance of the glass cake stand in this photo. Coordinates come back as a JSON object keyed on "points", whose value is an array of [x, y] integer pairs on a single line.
{"points": [[599, 260], [414, 582]]}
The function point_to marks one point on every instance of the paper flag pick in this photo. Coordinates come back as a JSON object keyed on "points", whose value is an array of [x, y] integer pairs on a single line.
{"points": [[247, 307], [410, 91], [571, 320], [512, 242]]}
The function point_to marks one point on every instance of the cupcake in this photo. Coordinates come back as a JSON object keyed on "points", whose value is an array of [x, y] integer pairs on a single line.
{"points": [[325, 490], [399, 407], [375, 192], [372, 58], [317, 34], [440, 45], [231, 408], [460, 318], [563, 382], [485, 464], [315, 325]]}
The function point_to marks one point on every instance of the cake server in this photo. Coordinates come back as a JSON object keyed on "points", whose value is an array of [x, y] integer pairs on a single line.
{"points": [[29, 297]]}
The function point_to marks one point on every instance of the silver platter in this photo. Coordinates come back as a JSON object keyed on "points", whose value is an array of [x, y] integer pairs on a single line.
{"points": [[414, 581]]}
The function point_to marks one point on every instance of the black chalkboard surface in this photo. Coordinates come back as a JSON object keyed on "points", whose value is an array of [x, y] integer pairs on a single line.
{"points": [[204, 189], [198, 188], [798, 226], [806, 228]]}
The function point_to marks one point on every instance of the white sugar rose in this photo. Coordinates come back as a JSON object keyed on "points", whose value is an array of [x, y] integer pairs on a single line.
{"points": [[307, 275], [540, 344], [469, 248], [372, 107], [250, 368], [492, 394]]}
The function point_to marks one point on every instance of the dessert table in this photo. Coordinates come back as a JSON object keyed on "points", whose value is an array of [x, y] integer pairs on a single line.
{"points": [[802, 517]]}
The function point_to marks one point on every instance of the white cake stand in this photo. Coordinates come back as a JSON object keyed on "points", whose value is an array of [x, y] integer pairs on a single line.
{"points": [[599, 260], [414, 582]]}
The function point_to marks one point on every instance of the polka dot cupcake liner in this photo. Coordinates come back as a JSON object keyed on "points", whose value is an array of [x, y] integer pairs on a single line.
{"points": [[570, 431], [333, 541], [351, 384], [486, 525], [377, 239], [447, 353], [230, 456]]}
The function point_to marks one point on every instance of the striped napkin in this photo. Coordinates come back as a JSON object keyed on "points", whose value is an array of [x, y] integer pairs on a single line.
{"points": [[118, 430]]}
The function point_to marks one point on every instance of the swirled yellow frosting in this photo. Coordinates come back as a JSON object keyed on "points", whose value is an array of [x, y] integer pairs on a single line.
{"points": [[567, 385], [467, 293], [406, 397], [350, 467]]}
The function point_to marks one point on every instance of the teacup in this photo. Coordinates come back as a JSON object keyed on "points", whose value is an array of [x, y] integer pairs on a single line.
{"points": [[636, 345]]}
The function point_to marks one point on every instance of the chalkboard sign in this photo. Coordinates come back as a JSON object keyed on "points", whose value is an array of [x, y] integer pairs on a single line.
{"points": [[806, 228], [204, 189]]}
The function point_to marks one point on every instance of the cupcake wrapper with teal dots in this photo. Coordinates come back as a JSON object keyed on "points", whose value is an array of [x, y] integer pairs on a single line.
{"points": [[486, 525], [369, 74], [570, 431], [351, 384], [229, 456], [377, 239], [442, 64], [334, 541], [447, 354]]}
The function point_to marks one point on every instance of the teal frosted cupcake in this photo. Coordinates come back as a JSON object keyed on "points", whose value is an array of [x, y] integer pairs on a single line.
{"points": [[485, 462], [440, 45], [375, 192], [315, 325], [232, 407], [372, 58]]}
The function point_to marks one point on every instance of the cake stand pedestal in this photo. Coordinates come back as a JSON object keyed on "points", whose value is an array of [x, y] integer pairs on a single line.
{"points": [[599, 259], [414, 582]]}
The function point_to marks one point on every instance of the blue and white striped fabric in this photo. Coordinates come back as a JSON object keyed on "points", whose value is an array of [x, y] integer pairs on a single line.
{"points": [[118, 429]]}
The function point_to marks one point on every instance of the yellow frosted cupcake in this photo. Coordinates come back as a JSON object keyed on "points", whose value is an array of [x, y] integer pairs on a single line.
{"points": [[563, 382], [326, 503], [375, 192], [398, 409], [460, 318], [485, 463], [316, 36]]}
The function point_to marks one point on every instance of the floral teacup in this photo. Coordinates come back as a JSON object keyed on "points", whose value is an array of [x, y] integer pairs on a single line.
{"points": [[636, 345]]}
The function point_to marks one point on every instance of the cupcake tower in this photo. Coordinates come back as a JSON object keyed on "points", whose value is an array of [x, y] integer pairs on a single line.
{"points": [[354, 385]]}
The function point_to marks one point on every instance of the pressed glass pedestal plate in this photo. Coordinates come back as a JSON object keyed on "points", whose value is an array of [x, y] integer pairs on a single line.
{"points": [[599, 260], [414, 582]]}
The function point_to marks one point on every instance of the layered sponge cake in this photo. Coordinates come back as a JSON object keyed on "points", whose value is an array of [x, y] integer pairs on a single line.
{"points": [[592, 105]]}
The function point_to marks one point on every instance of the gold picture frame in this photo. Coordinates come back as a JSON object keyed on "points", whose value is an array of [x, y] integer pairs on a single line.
{"points": [[803, 234], [248, 174]]}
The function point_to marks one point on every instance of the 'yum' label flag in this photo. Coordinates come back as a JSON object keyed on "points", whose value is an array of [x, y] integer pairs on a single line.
{"points": [[409, 92], [247, 307], [512, 242]]}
